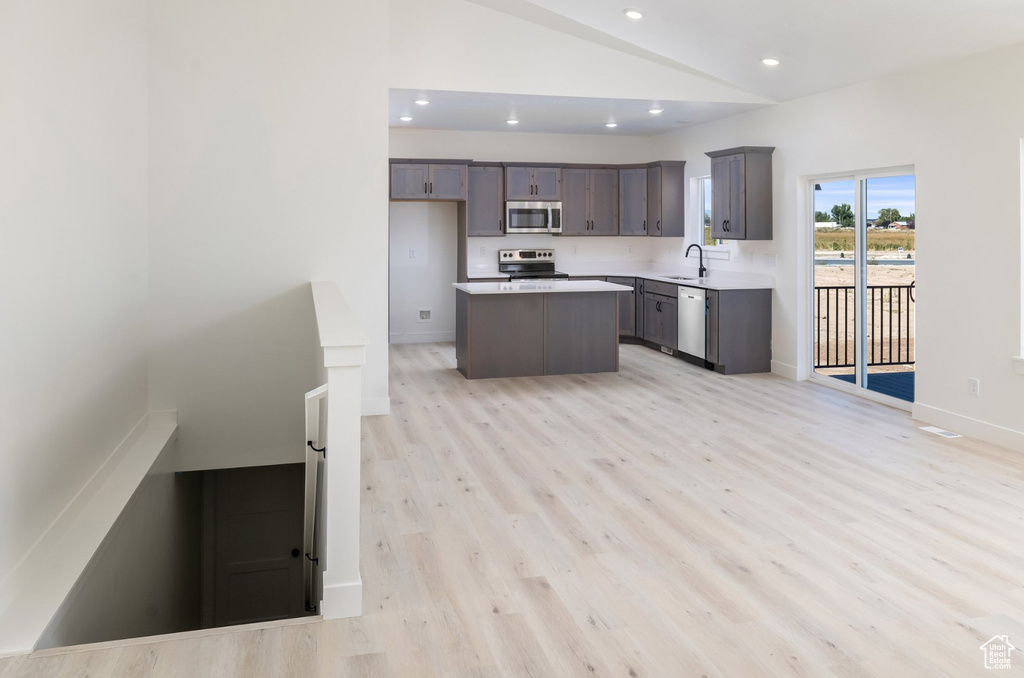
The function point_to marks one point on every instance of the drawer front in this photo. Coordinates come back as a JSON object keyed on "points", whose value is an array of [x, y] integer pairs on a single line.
{"points": [[666, 289]]}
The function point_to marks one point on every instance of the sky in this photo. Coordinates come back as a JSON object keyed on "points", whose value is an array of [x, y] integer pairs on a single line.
{"points": [[882, 192]]}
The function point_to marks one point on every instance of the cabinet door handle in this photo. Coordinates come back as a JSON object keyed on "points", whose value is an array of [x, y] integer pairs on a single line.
{"points": [[425, 187], [658, 227], [645, 224]]}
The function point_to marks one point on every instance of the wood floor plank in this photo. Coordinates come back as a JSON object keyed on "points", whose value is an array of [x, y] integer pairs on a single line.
{"points": [[661, 521]]}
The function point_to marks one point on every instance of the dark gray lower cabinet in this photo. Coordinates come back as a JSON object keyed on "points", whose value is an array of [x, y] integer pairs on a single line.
{"points": [[739, 331], [638, 297], [627, 307], [661, 320]]}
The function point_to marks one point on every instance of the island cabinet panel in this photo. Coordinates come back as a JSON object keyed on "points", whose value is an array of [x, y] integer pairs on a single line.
{"points": [[633, 202], [497, 335], [741, 184], [627, 307], [485, 203], [666, 186], [581, 333]]}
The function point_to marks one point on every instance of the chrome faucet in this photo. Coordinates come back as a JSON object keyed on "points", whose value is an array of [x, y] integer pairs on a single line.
{"points": [[701, 271]]}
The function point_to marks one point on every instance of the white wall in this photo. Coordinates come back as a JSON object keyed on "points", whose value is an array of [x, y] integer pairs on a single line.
{"points": [[268, 163], [461, 46], [73, 263], [959, 124], [423, 281], [144, 579]]}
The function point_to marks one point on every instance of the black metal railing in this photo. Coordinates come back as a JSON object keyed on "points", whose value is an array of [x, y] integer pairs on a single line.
{"points": [[890, 311]]}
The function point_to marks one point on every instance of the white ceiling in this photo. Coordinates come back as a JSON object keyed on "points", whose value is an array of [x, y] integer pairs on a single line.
{"points": [[822, 44], [487, 112]]}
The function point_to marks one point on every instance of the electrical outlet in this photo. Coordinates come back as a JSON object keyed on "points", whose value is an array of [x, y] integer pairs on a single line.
{"points": [[629, 249], [574, 249], [975, 386], [424, 315], [483, 251], [412, 253]]}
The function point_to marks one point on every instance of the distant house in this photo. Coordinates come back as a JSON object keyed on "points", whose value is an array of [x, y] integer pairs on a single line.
{"points": [[826, 224]]}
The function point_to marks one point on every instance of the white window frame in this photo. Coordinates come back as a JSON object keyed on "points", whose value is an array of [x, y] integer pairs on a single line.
{"points": [[860, 271], [697, 219]]}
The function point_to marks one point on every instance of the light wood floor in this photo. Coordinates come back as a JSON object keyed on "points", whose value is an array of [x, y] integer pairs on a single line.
{"points": [[663, 521]]}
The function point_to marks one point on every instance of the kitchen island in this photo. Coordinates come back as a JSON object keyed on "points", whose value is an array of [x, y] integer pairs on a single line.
{"points": [[528, 329]]}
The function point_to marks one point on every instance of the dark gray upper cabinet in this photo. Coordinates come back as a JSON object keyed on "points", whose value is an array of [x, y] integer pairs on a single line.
{"points": [[666, 186], [410, 182], [741, 185], [448, 182], [590, 202], [604, 201], [485, 202], [425, 181], [633, 202], [575, 206], [533, 183]]}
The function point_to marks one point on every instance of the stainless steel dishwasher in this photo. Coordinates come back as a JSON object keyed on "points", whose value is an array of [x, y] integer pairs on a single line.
{"points": [[692, 322]]}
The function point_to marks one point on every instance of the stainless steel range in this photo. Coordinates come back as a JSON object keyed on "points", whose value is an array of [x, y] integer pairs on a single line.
{"points": [[528, 264]]}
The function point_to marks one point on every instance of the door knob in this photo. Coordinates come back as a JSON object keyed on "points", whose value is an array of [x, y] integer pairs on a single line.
{"points": [[295, 553]]}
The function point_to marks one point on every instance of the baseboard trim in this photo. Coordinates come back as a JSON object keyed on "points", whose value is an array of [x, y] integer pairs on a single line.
{"points": [[784, 370], [968, 426], [342, 600], [422, 337], [374, 407], [34, 590]]}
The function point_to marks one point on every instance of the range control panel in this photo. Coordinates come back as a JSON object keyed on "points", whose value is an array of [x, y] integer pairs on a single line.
{"points": [[505, 256]]}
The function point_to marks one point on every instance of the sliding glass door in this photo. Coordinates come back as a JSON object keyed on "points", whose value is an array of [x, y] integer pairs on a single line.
{"points": [[864, 284]]}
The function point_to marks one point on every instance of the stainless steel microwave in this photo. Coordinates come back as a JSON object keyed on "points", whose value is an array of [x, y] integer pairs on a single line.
{"points": [[533, 217]]}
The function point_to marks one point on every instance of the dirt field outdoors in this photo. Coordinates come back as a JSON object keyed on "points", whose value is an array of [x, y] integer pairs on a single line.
{"points": [[892, 330]]}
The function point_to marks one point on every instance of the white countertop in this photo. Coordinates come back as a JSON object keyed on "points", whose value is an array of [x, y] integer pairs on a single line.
{"points": [[716, 281], [541, 287]]}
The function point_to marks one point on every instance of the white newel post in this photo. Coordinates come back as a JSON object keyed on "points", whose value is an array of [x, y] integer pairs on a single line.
{"points": [[344, 353]]}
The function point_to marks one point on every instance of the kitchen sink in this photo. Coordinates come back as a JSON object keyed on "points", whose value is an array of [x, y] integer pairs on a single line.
{"points": [[676, 277]]}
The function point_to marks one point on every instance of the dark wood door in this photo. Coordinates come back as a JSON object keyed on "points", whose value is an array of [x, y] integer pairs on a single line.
{"points": [[652, 318], [604, 202], [737, 227], [410, 182], [627, 307], [518, 183], [654, 201], [547, 183], [638, 297], [633, 202], [447, 182], [720, 197], [711, 329], [575, 220], [485, 201], [669, 322], [257, 521]]}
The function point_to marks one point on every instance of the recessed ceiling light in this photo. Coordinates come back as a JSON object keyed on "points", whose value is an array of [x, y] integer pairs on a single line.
{"points": [[770, 61], [656, 111], [422, 102], [512, 122], [405, 118], [611, 124], [633, 14]]}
